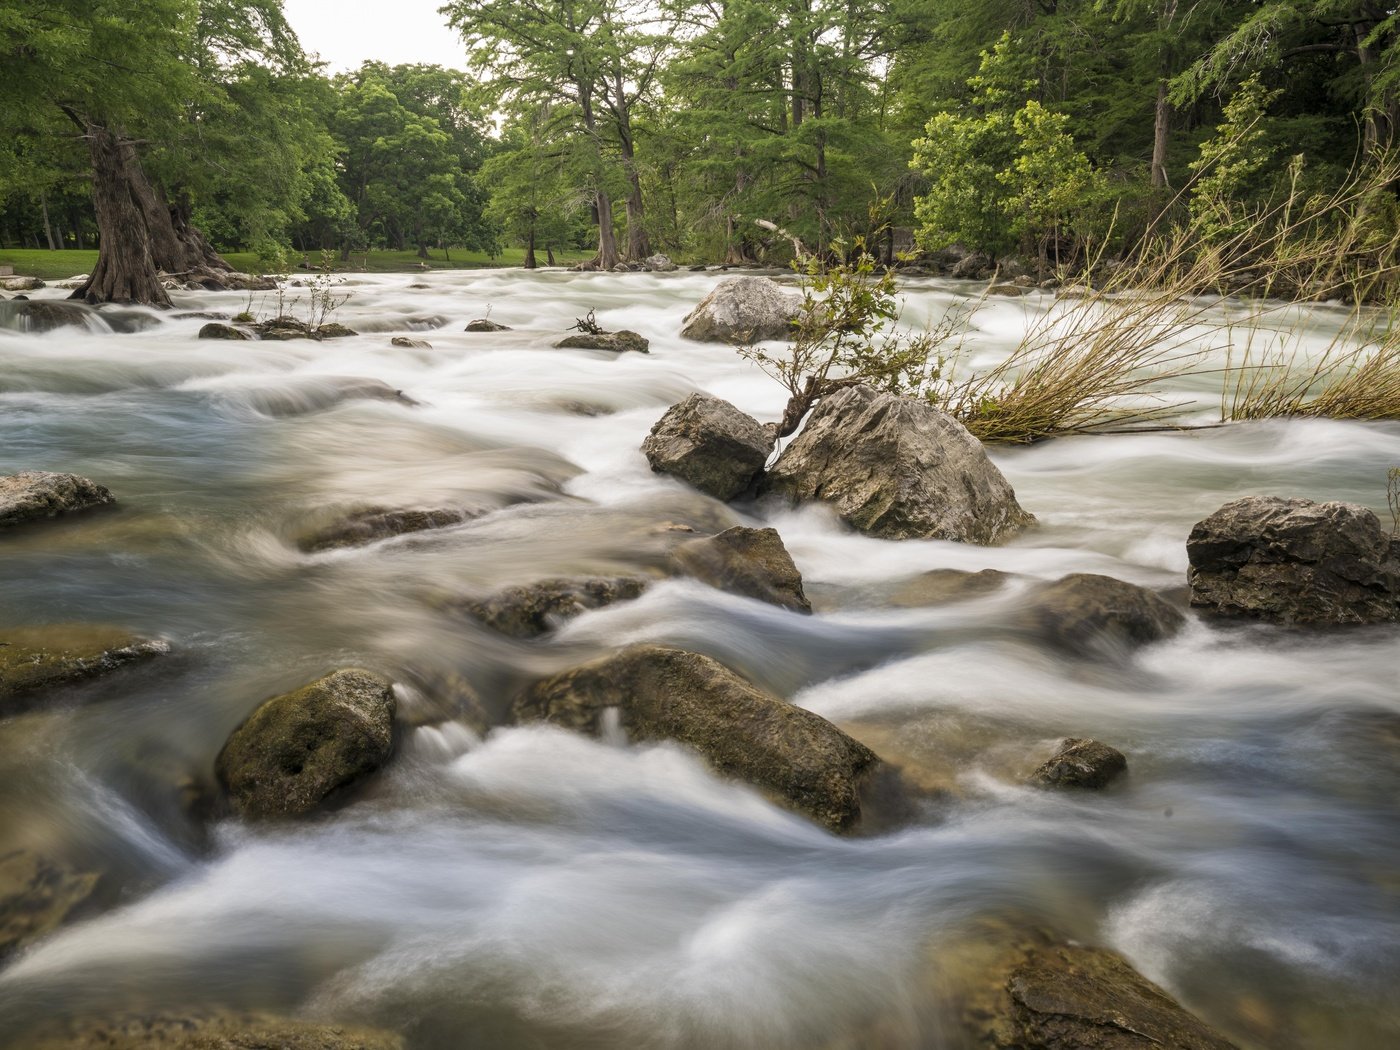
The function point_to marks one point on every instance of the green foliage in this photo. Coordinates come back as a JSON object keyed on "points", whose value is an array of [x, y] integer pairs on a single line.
{"points": [[1230, 162]]}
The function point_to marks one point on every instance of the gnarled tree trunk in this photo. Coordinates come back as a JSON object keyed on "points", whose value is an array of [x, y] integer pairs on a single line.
{"points": [[126, 268], [607, 256]]}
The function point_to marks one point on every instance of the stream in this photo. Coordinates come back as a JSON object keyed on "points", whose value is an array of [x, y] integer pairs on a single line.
{"points": [[542, 890]]}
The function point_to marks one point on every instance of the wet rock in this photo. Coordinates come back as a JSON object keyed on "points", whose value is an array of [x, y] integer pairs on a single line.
{"points": [[45, 315], [379, 523], [33, 495], [201, 315], [798, 758], [1010, 291], [617, 342], [751, 562], [710, 444], [659, 264], [245, 282], [944, 586], [1085, 612], [300, 750], [897, 468], [1079, 763], [21, 284], [972, 267], [333, 330], [218, 330], [1294, 561], [534, 609], [37, 895], [485, 324], [213, 1031], [743, 310], [410, 344], [34, 660], [315, 394]]}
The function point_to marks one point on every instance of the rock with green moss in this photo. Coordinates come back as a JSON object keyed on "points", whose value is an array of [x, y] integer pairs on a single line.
{"points": [[33, 495], [1079, 763], [798, 758], [301, 750], [741, 560], [36, 660], [219, 330], [37, 895]]}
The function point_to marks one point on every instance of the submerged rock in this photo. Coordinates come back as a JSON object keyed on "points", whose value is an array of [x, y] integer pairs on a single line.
{"points": [[219, 330], [743, 310], [37, 895], [213, 1031], [751, 562], [1086, 612], [533, 609], [34, 660], [898, 469], [797, 757], [617, 342], [710, 444], [379, 523], [485, 324], [1294, 561], [1079, 763], [33, 495], [44, 315], [944, 586], [410, 344], [297, 751]]}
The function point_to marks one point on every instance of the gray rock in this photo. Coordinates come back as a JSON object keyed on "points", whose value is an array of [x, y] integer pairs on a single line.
{"points": [[898, 469], [410, 344], [617, 342], [37, 895], [379, 523], [333, 330], [972, 267], [1087, 613], [32, 495], [21, 284], [44, 315], [534, 609], [298, 751], [1079, 763], [743, 310], [659, 264], [1294, 561], [751, 562], [218, 330], [710, 444], [798, 758], [34, 660], [485, 324]]}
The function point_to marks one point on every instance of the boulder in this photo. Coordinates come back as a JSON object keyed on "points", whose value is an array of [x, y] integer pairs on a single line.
{"points": [[333, 330], [36, 659], [379, 523], [32, 495], [1294, 561], [300, 750], [218, 330], [1085, 612], [1010, 291], [743, 310], [897, 468], [534, 609], [798, 758], [410, 344], [710, 444], [944, 586], [245, 282], [972, 267], [659, 264], [741, 560], [21, 284], [37, 895], [44, 315], [617, 342], [1079, 763], [210, 1031], [485, 324]]}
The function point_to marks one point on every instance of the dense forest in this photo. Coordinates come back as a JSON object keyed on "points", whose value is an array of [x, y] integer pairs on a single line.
{"points": [[716, 131]]}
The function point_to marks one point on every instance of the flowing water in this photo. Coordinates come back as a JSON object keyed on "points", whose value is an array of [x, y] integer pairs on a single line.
{"points": [[538, 889]]}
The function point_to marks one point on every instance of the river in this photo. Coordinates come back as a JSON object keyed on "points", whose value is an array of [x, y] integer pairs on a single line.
{"points": [[542, 890]]}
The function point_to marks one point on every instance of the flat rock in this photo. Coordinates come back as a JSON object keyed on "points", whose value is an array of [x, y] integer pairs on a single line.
{"points": [[796, 757], [33, 495], [21, 284], [1086, 612], [297, 751], [34, 660], [945, 586], [213, 1031], [1293, 561], [1079, 763], [410, 344], [379, 523], [617, 342], [741, 560], [897, 468], [708, 443], [37, 895], [219, 330], [533, 609], [743, 310]]}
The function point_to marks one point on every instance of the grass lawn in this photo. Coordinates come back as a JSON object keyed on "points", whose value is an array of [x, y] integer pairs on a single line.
{"points": [[68, 262]]}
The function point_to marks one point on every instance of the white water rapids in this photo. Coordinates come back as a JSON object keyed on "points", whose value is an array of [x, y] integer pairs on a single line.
{"points": [[543, 890]]}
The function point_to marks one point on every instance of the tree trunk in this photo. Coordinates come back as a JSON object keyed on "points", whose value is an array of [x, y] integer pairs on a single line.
{"points": [[126, 269], [607, 256], [1161, 127], [48, 229], [549, 255], [530, 263], [423, 251], [638, 243]]}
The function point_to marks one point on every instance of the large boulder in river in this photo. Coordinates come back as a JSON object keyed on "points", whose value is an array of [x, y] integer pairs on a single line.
{"points": [[741, 560], [32, 495], [297, 751], [35, 660], [1085, 612], [743, 310], [709, 443], [897, 468], [533, 609], [797, 757], [1294, 561]]}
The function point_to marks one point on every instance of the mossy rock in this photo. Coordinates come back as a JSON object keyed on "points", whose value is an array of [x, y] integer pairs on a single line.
{"points": [[37, 895], [33, 495], [214, 1031], [34, 660], [617, 342]]}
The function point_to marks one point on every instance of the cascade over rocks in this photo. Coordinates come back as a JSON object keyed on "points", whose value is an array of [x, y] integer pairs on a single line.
{"points": [[32, 495], [44, 315], [898, 469], [533, 609], [743, 310], [35, 660], [1086, 613], [741, 560], [798, 758], [710, 444], [297, 751], [1294, 561]]}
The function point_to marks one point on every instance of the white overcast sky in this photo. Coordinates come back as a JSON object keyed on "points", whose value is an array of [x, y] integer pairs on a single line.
{"points": [[346, 32]]}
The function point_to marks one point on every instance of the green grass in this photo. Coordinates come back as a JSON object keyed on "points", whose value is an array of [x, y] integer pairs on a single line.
{"points": [[68, 262]]}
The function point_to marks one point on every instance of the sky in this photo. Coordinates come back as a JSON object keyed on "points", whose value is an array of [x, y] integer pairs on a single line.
{"points": [[346, 32]]}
